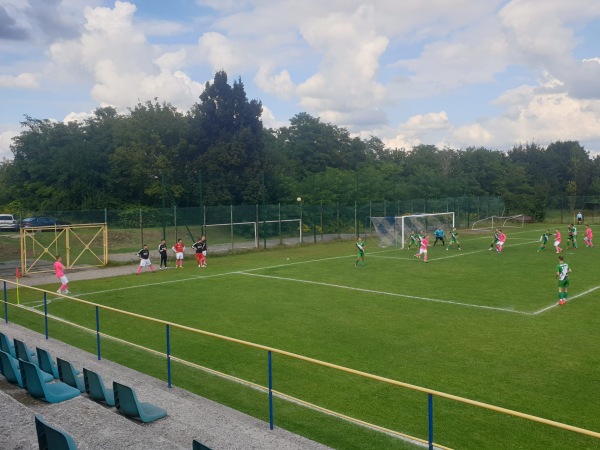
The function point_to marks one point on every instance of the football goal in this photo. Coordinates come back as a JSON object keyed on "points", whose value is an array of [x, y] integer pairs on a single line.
{"points": [[395, 231], [489, 223]]}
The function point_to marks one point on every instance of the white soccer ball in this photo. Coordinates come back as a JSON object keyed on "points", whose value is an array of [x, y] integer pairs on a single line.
{"points": [[299, 199]]}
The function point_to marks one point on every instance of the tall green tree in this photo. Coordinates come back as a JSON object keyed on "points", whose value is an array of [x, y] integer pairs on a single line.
{"points": [[227, 143]]}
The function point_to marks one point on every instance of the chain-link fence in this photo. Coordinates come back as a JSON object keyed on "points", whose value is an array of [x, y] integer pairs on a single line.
{"points": [[250, 226]]}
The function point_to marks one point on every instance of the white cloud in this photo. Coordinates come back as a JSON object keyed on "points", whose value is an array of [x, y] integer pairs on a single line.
{"points": [[21, 81], [5, 142], [120, 63]]}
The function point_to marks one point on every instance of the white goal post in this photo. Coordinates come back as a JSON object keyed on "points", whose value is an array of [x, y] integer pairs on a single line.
{"points": [[395, 231], [490, 223]]}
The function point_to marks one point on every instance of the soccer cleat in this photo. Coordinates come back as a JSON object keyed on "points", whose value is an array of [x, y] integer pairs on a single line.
{"points": [[199, 265], [59, 292], [67, 292], [203, 265], [562, 302]]}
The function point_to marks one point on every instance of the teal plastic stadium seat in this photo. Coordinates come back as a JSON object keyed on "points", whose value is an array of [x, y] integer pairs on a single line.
{"points": [[128, 404], [10, 369], [25, 353], [94, 387], [37, 388], [46, 362], [198, 446], [52, 438], [6, 345], [68, 374]]}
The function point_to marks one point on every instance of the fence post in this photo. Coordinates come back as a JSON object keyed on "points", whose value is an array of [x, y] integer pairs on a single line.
{"points": [[271, 421], [46, 315], [168, 355], [5, 305], [430, 413], [98, 333]]}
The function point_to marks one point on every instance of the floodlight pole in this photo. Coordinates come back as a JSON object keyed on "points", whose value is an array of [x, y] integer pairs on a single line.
{"points": [[162, 187], [201, 203]]}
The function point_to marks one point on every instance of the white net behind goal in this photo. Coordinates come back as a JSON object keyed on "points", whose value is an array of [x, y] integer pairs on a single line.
{"points": [[395, 231]]}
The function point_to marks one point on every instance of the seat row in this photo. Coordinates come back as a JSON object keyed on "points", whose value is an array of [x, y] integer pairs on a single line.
{"points": [[36, 372]]}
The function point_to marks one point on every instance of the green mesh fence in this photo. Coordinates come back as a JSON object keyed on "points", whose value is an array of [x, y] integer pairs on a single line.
{"points": [[249, 226]]}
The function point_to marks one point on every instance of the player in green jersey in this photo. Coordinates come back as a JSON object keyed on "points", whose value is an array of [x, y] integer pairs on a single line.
{"points": [[494, 240], [453, 239], [360, 252], [414, 238], [562, 275], [572, 240], [544, 238]]}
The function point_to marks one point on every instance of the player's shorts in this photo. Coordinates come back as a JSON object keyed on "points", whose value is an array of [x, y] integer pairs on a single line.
{"points": [[454, 240], [563, 283], [64, 279], [145, 262], [422, 250], [360, 254], [500, 243], [204, 252], [179, 255], [556, 243]]}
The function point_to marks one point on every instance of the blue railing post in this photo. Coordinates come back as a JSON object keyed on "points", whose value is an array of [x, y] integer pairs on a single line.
{"points": [[271, 421], [46, 315], [98, 332], [5, 305], [168, 355], [430, 411]]}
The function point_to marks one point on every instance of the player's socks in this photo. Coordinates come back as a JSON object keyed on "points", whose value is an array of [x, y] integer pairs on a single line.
{"points": [[139, 270]]}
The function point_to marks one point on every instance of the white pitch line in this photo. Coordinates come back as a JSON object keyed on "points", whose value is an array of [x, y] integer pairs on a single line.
{"points": [[200, 277], [554, 305], [392, 294]]}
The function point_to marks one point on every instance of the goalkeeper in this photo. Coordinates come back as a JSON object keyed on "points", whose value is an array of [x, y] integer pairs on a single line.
{"points": [[360, 256], [439, 236]]}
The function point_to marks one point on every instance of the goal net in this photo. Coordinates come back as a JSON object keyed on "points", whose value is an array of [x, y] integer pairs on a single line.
{"points": [[489, 223], [395, 231]]}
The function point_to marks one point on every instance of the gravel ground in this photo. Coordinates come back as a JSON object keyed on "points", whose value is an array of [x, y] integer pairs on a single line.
{"points": [[94, 426]]}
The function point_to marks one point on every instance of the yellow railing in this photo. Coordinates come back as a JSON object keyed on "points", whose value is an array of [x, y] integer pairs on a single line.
{"points": [[273, 350]]}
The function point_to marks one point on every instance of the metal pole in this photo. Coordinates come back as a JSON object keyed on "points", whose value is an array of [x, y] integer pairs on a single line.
{"points": [[271, 421], [430, 413], [5, 305], [98, 333], [46, 315], [164, 214], [168, 355]]}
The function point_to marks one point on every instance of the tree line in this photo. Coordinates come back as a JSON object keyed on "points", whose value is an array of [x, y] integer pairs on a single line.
{"points": [[219, 153]]}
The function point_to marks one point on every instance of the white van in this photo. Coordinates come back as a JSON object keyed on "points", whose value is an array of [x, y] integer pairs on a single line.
{"points": [[8, 222]]}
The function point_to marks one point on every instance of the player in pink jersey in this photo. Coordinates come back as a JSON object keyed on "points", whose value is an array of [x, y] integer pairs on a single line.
{"points": [[588, 236], [423, 248], [501, 241], [59, 269], [557, 239]]}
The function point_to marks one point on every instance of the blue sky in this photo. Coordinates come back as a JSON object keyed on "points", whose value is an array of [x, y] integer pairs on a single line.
{"points": [[453, 73]]}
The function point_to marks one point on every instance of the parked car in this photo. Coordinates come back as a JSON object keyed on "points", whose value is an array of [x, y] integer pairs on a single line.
{"points": [[8, 222], [41, 222]]}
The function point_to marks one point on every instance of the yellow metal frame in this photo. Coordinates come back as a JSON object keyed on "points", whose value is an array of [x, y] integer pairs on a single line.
{"points": [[367, 375], [67, 232]]}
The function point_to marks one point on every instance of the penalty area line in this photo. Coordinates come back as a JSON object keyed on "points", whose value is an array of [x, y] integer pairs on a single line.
{"points": [[391, 294], [554, 305]]}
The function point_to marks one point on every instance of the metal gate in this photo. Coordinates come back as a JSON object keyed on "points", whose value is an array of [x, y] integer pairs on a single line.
{"points": [[84, 245]]}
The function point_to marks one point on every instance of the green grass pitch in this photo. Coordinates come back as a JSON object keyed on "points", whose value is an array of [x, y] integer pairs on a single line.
{"points": [[472, 323]]}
